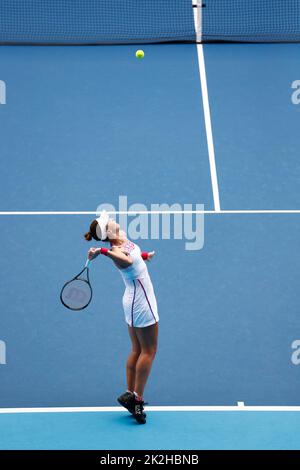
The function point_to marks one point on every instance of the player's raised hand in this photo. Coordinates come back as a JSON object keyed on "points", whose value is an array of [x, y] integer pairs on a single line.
{"points": [[93, 253], [150, 255]]}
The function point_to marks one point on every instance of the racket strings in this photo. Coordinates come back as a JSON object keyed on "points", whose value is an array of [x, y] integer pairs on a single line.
{"points": [[76, 294]]}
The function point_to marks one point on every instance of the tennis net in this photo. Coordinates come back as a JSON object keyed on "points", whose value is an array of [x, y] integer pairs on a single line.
{"points": [[147, 21], [254, 21], [96, 21]]}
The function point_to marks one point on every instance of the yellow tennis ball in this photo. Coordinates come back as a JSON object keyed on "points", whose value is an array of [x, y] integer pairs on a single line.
{"points": [[140, 54]]}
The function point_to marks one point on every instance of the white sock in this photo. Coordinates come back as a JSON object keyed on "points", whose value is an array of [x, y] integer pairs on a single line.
{"points": [[137, 396]]}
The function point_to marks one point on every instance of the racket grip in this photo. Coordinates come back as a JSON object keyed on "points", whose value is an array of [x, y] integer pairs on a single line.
{"points": [[87, 263]]}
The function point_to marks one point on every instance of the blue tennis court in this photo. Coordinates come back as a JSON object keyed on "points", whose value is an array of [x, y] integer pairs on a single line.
{"points": [[84, 125]]}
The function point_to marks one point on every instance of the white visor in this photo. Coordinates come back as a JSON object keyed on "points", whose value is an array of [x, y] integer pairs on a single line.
{"points": [[101, 229]]}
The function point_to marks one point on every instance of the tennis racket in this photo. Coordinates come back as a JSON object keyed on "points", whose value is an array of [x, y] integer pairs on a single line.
{"points": [[77, 293]]}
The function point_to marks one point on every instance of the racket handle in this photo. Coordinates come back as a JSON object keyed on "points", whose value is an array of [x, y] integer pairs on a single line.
{"points": [[87, 263]]}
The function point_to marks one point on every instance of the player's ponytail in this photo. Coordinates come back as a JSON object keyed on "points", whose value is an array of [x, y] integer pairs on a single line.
{"points": [[92, 233], [88, 236]]}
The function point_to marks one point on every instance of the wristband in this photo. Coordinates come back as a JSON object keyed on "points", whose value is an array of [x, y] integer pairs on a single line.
{"points": [[104, 251], [144, 255]]}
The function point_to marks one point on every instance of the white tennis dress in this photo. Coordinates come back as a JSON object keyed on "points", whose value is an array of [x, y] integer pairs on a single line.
{"points": [[139, 300]]}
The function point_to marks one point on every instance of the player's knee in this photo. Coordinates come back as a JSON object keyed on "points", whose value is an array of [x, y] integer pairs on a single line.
{"points": [[151, 352], [135, 354]]}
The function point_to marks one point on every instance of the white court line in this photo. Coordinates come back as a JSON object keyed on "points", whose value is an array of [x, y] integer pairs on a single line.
{"points": [[149, 408], [208, 128], [212, 212], [206, 107]]}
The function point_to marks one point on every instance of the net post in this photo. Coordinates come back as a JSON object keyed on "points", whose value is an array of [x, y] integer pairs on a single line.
{"points": [[197, 9]]}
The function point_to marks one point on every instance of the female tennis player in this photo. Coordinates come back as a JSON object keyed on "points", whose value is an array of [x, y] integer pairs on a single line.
{"points": [[139, 305]]}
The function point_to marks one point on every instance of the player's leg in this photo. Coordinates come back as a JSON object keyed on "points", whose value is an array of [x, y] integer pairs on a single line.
{"points": [[127, 399], [148, 338], [132, 359]]}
